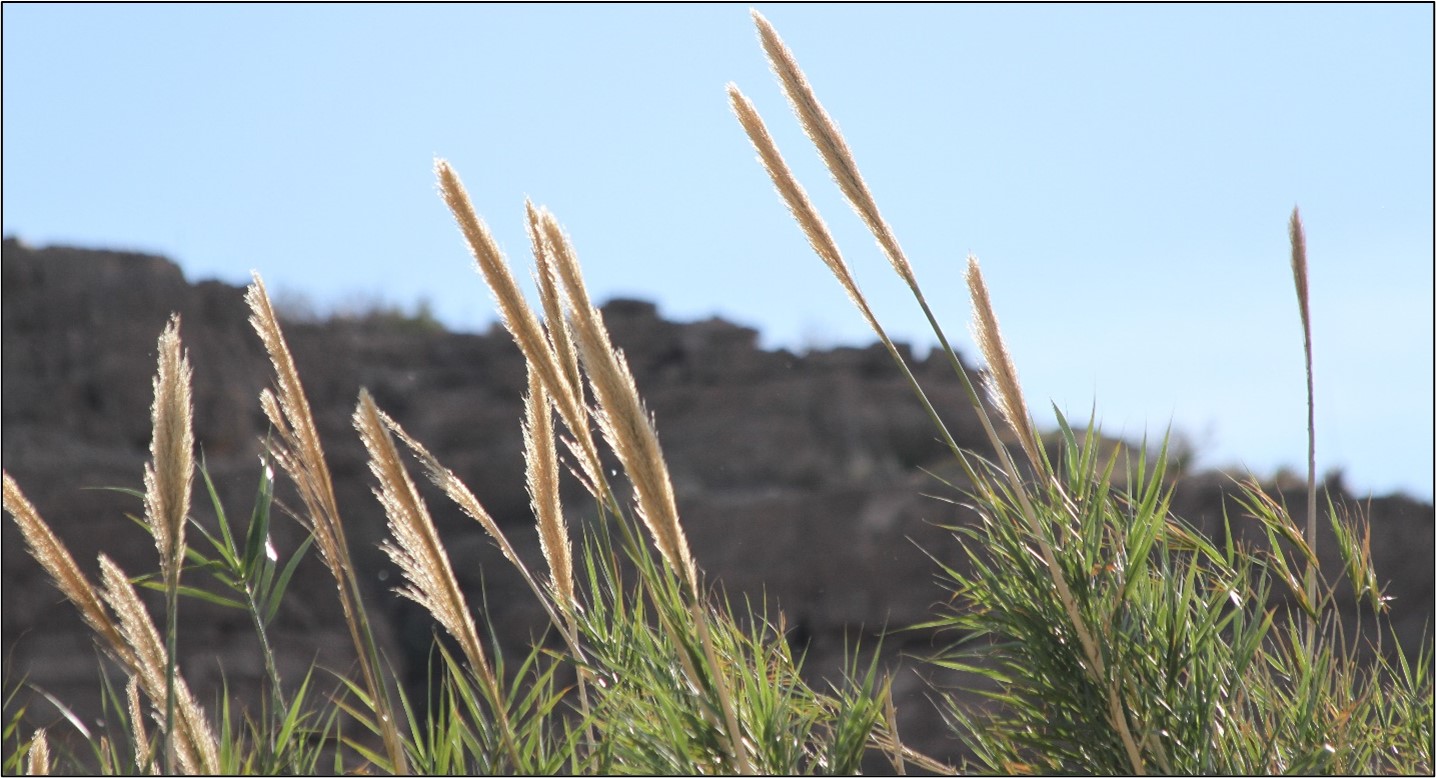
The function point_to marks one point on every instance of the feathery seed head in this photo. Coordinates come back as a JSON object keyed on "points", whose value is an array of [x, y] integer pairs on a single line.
{"points": [[828, 140], [416, 547], [297, 449], [1298, 269], [541, 463], [37, 761], [51, 553], [1002, 384], [621, 416], [518, 318], [796, 198], [168, 475], [195, 746]]}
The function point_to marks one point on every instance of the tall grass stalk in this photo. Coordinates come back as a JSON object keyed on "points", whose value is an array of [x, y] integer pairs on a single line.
{"points": [[1303, 299], [168, 479]]}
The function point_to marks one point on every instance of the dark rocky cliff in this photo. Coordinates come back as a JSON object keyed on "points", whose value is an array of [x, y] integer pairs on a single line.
{"points": [[798, 477]]}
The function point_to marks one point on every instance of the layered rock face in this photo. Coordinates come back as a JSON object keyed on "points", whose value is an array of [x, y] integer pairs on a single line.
{"points": [[799, 477]]}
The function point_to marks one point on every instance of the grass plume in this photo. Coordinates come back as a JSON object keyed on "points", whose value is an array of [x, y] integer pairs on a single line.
{"points": [[1002, 384], [169, 474], [541, 466], [300, 454], [624, 421], [54, 557], [518, 318], [555, 322], [416, 547], [37, 762], [419, 553], [144, 759], [194, 745], [168, 479], [824, 134], [796, 198]]}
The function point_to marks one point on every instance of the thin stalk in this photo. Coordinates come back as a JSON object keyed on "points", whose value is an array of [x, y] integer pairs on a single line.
{"points": [[171, 644], [270, 668], [1303, 299]]}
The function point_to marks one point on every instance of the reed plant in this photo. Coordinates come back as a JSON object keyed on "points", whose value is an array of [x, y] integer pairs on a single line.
{"points": [[1105, 634]]}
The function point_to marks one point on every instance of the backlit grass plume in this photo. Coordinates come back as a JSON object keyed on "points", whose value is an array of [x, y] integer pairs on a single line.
{"points": [[415, 547], [555, 321], [37, 762], [624, 421], [829, 142], [194, 745], [1002, 384], [54, 557], [518, 318], [541, 466], [168, 477], [169, 473], [300, 454]]}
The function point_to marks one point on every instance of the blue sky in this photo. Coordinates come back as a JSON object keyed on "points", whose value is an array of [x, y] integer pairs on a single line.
{"points": [[1124, 174]]}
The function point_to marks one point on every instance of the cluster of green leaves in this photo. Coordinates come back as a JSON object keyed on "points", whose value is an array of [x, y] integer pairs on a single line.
{"points": [[1217, 672], [648, 714]]}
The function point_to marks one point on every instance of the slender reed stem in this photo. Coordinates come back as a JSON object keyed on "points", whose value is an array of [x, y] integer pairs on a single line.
{"points": [[1303, 299]]}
